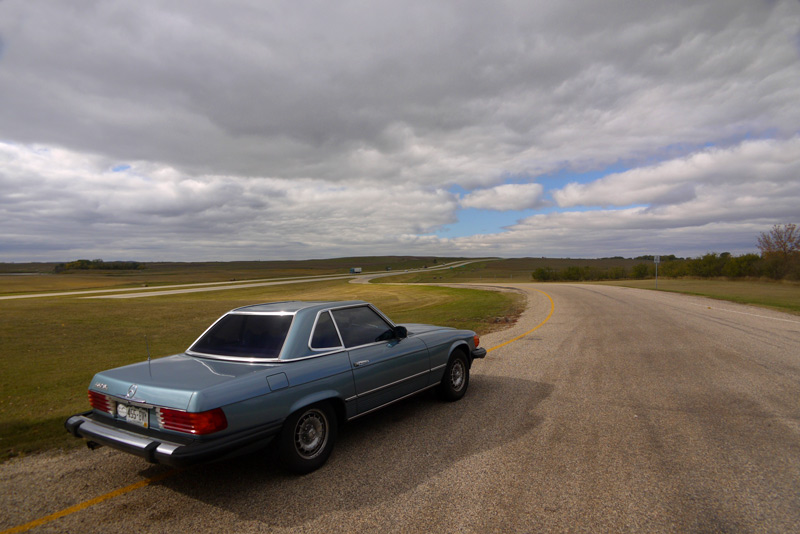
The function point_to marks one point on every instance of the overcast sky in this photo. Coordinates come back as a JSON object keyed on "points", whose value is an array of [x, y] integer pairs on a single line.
{"points": [[194, 130]]}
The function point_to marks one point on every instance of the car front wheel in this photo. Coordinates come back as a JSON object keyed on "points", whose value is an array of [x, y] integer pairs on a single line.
{"points": [[307, 438], [456, 378]]}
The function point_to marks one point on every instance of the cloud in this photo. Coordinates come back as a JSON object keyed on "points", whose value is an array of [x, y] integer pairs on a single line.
{"points": [[505, 197], [70, 203], [751, 168], [299, 130], [434, 93]]}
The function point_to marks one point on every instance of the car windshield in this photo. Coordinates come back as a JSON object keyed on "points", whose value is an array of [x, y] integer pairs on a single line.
{"points": [[242, 335]]}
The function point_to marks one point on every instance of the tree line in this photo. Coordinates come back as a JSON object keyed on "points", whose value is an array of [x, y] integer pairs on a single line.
{"points": [[779, 259], [86, 265]]}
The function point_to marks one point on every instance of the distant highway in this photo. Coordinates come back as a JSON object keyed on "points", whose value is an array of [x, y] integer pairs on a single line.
{"points": [[138, 292]]}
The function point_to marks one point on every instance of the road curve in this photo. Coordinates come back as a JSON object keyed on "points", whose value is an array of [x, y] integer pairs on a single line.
{"points": [[628, 410]]}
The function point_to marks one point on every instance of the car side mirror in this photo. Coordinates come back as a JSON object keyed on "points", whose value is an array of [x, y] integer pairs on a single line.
{"points": [[400, 332]]}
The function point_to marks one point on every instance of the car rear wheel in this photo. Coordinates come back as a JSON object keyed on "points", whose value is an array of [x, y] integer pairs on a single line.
{"points": [[307, 438], [456, 378]]}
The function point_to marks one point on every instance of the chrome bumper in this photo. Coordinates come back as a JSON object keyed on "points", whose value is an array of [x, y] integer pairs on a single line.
{"points": [[161, 450], [480, 352]]}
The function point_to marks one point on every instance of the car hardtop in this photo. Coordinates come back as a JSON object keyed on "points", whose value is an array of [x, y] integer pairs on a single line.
{"points": [[296, 344], [294, 306]]}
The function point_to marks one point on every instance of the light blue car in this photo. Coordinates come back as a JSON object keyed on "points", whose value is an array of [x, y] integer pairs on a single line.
{"points": [[290, 371]]}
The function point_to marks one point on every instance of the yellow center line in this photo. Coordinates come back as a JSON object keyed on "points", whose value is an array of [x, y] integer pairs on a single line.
{"points": [[91, 502], [146, 482], [549, 315]]}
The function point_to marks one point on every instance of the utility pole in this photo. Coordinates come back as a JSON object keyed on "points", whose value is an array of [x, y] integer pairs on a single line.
{"points": [[657, 260]]}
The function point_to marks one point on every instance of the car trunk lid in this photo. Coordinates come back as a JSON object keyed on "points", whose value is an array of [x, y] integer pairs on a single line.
{"points": [[170, 382]]}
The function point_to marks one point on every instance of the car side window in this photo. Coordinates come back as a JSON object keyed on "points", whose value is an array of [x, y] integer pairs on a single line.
{"points": [[325, 335], [361, 326]]}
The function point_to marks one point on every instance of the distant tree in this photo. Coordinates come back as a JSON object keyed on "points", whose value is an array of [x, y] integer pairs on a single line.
{"points": [[674, 268], [741, 266], [640, 270], [544, 274], [780, 248], [85, 265], [573, 272], [709, 265], [616, 273], [784, 241]]}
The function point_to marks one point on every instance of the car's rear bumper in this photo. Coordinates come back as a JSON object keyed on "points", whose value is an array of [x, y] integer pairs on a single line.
{"points": [[166, 450]]}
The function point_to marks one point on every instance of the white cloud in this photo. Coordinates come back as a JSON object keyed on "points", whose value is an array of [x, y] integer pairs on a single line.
{"points": [[71, 203], [505, 197], [753, 167], [302, 130]]}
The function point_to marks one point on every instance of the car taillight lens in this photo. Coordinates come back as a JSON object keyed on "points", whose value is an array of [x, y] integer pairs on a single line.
{"points": [[477, 341], [192, 422], [100, 402]]}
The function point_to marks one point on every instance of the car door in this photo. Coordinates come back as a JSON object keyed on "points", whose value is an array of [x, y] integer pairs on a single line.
{"points": [[385, 367]]}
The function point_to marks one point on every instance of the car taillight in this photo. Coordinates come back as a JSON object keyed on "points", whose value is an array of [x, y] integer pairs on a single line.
{"points": [[100, 402], [192, 422], [477, 341]]}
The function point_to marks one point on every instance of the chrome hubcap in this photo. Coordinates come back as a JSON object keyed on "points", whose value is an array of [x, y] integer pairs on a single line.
{"points": [[311, 434], [457, 375]]}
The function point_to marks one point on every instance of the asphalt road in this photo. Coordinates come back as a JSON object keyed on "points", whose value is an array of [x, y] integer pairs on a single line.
{"points": [[627, 411]]}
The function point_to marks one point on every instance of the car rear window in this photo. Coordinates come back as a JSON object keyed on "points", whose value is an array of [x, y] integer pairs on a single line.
{"points": [[252, 336]]}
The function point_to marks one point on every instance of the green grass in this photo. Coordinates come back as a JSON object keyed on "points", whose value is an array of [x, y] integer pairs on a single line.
{"points": [[51, 347], [783, 296], [40, 276]]}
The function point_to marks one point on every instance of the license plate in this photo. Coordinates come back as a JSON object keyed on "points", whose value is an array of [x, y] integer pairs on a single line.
{"points": [[138, 416]]}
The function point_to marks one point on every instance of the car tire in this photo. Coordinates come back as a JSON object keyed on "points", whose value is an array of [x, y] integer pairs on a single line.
{"points": [[456, 378], [307, 438]]}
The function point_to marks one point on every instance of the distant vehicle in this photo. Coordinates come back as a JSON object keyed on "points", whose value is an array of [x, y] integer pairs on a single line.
{"points": [[355, 270], [286, 371]]}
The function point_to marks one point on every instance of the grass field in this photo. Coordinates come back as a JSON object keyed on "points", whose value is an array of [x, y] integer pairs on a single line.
{"points": [[783, 296], [51, 347], [19, 278]]}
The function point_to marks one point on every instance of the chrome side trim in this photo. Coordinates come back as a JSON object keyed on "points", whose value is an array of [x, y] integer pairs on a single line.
{"points": [[319, 355], [243, 359], [393, 401], [439, 367], [392, 384]]}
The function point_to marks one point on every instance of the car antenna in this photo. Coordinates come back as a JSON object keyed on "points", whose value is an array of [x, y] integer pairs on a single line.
{"points": [[147, 344]]}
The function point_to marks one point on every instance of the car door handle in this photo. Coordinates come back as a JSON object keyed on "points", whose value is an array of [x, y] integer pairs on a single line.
{"points": [[360, 363]]}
